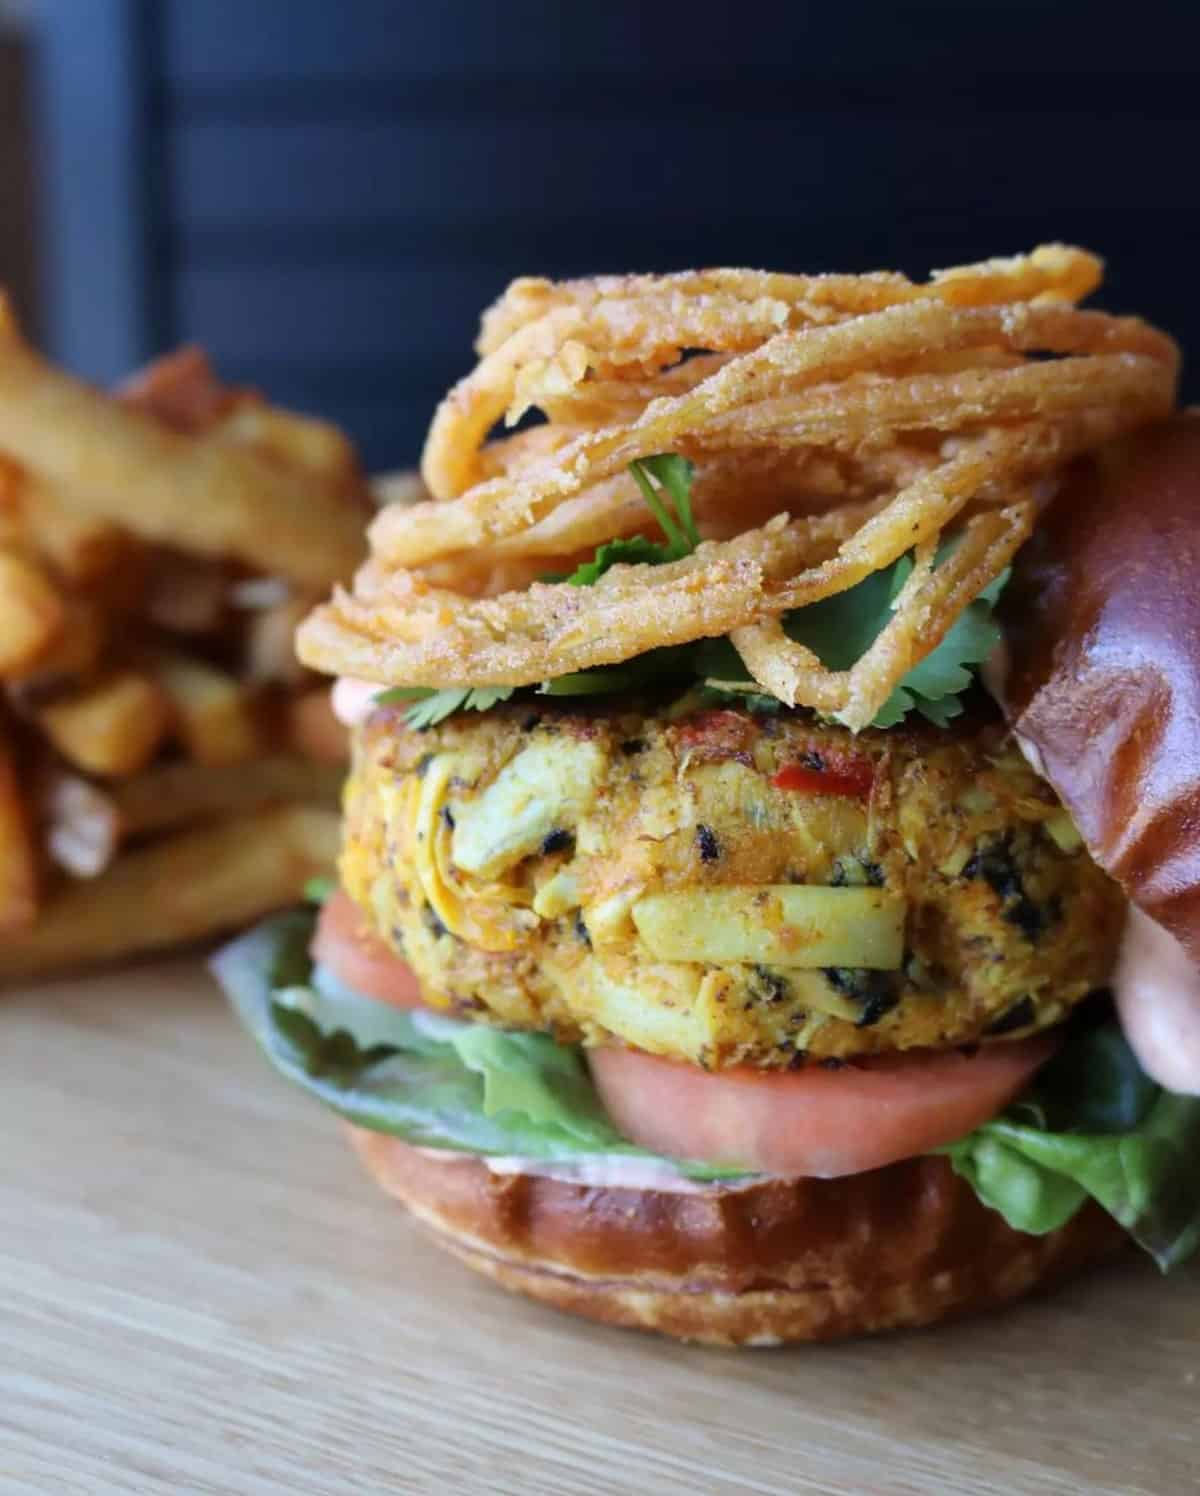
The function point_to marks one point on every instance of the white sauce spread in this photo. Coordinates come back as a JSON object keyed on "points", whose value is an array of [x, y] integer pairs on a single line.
{"points": [[604, 1171], [352, 700], [1157, 988]]}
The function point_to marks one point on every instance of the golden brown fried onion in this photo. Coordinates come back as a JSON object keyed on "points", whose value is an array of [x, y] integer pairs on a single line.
{"points": [[836, 422]]}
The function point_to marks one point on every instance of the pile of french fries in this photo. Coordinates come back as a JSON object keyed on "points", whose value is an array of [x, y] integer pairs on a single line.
{"points": [[167, 769]]}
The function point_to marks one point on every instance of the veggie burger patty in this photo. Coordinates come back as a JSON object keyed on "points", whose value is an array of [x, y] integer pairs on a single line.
{"points": [[721, 887]]}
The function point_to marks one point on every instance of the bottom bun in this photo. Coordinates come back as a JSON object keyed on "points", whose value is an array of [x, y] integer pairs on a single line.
{"points": [[785, 1260]]}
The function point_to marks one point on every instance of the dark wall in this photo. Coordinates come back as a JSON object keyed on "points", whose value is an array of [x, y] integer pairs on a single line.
{"points": [[16, 180], [330, 192]]}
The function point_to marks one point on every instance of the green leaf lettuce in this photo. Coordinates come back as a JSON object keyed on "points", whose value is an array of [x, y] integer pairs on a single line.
{"points": [[1092, 1125], [431, 1080]]}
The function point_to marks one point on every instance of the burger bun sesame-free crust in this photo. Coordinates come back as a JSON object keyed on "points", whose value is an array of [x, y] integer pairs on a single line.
{"points": [[1102, 625], [768, 1264]]}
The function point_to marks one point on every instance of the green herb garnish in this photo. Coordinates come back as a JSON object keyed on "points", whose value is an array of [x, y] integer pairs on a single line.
{"points": [[666, 485], [431, 706], [838, 629]]}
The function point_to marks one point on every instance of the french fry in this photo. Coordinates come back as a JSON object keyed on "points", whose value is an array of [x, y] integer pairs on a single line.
{"points": [[300, 441], [75, 654], [216, 717], [157, 549], [163, 799], [18, 858], [111, 727], [31, 613], [203, 494], [13, 529], [180, 389], [172, 892], [80, 547], [86, 824], [314, 731]]}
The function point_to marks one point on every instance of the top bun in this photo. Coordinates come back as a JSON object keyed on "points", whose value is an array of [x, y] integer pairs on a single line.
{"points": [[1102, 621]]}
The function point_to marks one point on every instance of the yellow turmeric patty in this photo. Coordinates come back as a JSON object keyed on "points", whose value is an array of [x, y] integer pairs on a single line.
{"points": [[722, 888]]}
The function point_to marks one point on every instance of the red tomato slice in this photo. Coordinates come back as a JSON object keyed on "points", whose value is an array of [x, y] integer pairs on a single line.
{"points": [[359, 958], [813, 1123]]}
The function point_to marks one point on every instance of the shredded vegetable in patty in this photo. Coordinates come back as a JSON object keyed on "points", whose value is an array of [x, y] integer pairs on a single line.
{"points": [[721, 887]]}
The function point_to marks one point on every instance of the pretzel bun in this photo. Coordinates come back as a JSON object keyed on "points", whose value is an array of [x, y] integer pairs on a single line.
{"points": [[1102, 622], [786, 1260]]}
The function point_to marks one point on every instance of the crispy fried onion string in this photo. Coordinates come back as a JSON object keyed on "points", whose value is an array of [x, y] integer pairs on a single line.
{"points": [[835, 422]]}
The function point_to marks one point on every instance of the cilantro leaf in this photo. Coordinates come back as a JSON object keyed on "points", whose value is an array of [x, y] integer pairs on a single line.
{"points": [[431, 707], [935, 682], [634, 551], [840, 629], [595, 682], [735, 693], [673, 476]]}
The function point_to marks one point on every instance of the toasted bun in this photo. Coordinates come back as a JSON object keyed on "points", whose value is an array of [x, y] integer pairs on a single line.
{"points": [[1102, 619], [783, 1261]]}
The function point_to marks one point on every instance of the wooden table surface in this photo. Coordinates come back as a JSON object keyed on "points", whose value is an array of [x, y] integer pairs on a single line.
{"points": [[200, 1293]]}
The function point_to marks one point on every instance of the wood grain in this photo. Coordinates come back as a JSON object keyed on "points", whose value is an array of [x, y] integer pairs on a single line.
{"points": [[202, 1294]]}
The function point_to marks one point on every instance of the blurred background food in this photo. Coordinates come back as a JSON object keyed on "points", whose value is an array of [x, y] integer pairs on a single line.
{"points": [[324, 195], [167, 769]]}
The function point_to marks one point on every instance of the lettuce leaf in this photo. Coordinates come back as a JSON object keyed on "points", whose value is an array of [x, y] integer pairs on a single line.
{"points": [[431, 1080], [1092, 1125], [1095, 1125]]}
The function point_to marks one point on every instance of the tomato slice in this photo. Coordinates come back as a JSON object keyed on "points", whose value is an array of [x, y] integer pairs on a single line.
{"points": [[814, 1123], [359, 959]]}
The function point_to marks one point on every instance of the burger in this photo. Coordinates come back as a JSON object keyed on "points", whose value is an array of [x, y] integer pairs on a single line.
{"points": [[769, 902]]}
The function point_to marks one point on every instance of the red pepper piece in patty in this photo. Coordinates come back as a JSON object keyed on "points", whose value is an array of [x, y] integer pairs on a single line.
{"points": [[821, 775]]}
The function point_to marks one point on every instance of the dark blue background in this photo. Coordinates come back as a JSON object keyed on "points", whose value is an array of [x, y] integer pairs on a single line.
{"points": [[326, 192]]}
